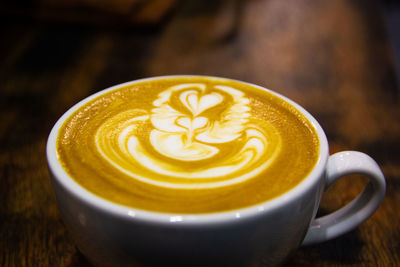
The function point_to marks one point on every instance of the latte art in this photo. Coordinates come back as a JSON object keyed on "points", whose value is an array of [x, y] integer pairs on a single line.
{"points": [[187, 145], [190, 123]]}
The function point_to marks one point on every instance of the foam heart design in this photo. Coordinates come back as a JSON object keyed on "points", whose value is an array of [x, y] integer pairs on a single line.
{"points": [[198, 104], [192, 124]]}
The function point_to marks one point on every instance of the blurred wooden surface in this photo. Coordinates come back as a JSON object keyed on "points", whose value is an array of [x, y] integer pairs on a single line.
{"points": [[332, 57], [134, 13]]}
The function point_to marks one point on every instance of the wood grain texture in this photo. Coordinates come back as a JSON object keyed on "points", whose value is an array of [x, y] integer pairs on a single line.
{"points": [[332, 57]]}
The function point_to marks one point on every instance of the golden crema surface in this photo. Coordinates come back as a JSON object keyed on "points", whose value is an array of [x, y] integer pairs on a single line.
{"points": [[187, 145]]}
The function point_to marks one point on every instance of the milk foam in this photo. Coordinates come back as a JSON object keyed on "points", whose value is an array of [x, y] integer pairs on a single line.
{"points": [[190, 141]]}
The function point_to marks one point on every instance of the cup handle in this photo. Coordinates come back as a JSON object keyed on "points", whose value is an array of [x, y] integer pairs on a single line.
{"points": [[359, 209]]}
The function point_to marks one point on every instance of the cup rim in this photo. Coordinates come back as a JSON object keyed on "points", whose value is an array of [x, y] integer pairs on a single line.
{"points": [[68, 183]]}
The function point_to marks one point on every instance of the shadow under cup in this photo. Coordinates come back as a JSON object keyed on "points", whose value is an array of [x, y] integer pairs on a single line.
{"points": [[111, 234]]}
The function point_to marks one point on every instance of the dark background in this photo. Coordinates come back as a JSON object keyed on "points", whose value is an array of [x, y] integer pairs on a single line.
{"points": [[338, 59]]}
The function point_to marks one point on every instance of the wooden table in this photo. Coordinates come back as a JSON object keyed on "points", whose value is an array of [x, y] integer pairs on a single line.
{"points": [[332, 57]]}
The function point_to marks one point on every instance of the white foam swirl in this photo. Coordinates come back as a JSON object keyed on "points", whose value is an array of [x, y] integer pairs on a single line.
{"points": [[188, 145]]}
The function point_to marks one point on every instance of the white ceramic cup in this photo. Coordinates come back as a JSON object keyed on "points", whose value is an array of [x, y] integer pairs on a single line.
{"points": [[114, 235]]}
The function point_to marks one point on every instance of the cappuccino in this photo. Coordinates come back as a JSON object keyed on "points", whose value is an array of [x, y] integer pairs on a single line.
{"points": [[187, 145]]}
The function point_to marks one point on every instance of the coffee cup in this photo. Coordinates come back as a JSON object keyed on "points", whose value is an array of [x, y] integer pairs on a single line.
{"points": [[199, 170]]}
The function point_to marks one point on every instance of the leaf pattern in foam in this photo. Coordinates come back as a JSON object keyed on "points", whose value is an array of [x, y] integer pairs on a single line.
{"points": [[230, 126]]}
